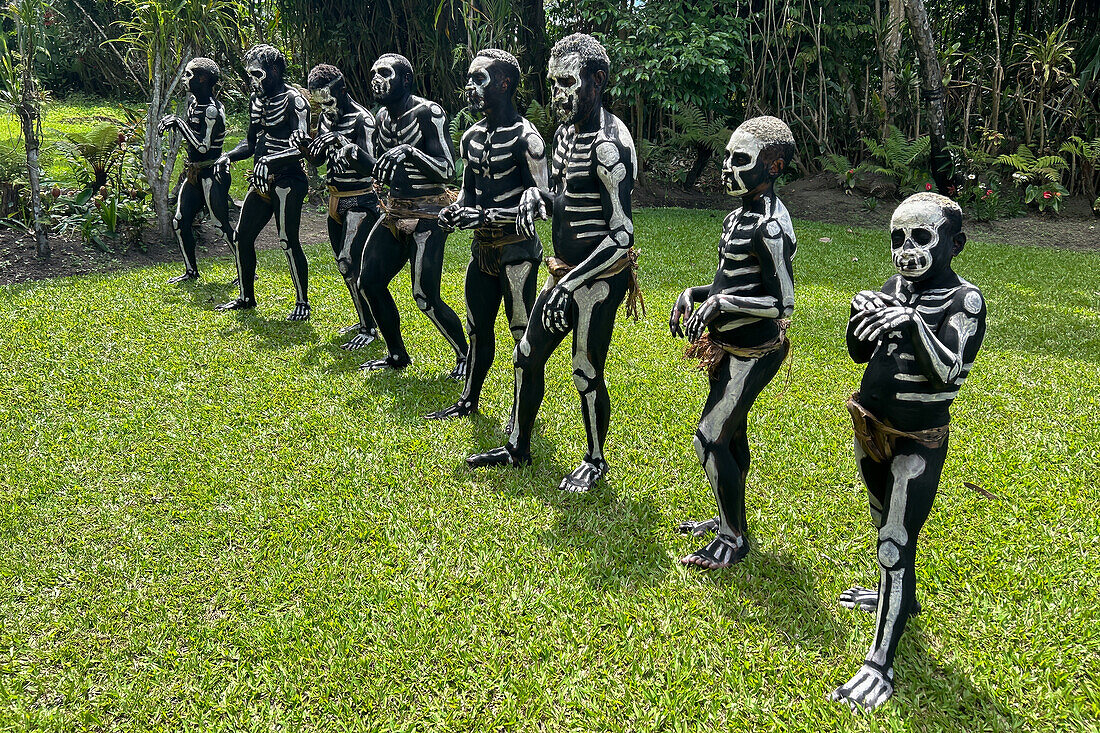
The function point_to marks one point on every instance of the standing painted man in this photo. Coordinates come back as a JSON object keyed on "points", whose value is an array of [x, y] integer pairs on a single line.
{"points": [[204, 184], [277, 185], [592, 270], [745, 313], [345, 146], [504, 156], [415, 162], [919, 336]]}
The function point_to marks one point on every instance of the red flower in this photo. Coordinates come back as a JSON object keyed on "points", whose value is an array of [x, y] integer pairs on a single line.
{"points": [[989, 192], [928, 187], [1046, 194], [851, 171]]}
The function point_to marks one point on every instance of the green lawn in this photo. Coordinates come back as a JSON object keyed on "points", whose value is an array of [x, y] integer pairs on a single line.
{"points": [[213, 521], [79, 114]]}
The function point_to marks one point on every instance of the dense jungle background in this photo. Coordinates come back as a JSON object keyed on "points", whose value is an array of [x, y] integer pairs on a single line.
{"points": [[1020, 96]]}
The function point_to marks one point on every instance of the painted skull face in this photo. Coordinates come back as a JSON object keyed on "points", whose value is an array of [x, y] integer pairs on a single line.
{"points": [[327, 102], [387, 82], [257, 75], [915, 242], [571, 91], [191, 79], [478, 83], [742, 168]]}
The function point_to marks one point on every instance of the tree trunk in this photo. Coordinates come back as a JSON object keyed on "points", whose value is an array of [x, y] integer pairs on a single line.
{"points": [[891, 53], [30, 120], [159, 162], [943, 170], [534, 44]]}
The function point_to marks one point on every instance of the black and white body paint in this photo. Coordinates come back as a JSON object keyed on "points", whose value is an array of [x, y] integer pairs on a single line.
{"points": [[919, 336], [278, 183], [205, 186], [345, 146], [743, 312], [414, 162], [591, 178], [504, 156]]}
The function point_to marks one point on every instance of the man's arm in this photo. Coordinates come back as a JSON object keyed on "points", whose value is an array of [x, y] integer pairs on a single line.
{"points": [[453, 217], [247, 146], [359, 153], [536, 200], [434, 159], [614, 169]]}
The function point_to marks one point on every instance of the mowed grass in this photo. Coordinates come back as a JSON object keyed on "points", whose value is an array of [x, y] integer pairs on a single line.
{"points": [[213, 521]]}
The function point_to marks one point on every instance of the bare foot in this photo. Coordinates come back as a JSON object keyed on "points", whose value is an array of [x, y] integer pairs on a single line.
{"points": [[584, 476], [360, 339], [237, 304], [868, 689], [300, 312], [462, 408], [459, 372], [502, 456], [866, 599], [396, 363], [698, 529], [186, 276], [722, 552]]}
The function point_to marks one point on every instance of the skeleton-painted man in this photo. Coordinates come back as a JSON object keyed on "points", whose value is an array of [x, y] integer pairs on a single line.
{"points": [[204, 184], [918, 336], [415, 162], [745, 313], [345, 145], [277, 185], [592, 175], [504, 156]]}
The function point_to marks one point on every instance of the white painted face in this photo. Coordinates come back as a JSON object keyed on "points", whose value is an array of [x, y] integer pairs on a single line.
{"points": [[477, 81], [256, 76], [914, 236], [564, 73], [327, 103], [742, 154], [383, 74]]}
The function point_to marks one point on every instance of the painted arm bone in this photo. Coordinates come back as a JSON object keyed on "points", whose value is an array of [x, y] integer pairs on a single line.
{"points": [[770, 244], [616, 180]]}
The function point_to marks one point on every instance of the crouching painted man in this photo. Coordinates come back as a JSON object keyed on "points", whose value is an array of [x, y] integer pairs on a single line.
{"points": [[504, 156], [918, 336], [593, 267], [745, 313], [278, 184], [204, 184], [345, 146]]}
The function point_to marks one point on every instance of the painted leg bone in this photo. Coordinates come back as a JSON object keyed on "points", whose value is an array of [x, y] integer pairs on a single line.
{"points": [[188, 204], [907, 504], [288, 210], [352, 235], [426, 271]]}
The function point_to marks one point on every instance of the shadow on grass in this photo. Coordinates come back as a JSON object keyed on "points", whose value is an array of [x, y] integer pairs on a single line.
{"points": [[274, 334], [922, 682], [611, 538]]}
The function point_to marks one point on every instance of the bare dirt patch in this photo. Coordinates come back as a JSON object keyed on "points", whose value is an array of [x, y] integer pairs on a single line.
{"points": [[19, 263]]}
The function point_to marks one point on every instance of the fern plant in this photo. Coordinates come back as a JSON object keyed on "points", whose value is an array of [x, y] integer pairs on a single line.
{"points": [[842, 168], [1086, 158], [1033, 169], [95, 153], [899, 159]]}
